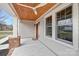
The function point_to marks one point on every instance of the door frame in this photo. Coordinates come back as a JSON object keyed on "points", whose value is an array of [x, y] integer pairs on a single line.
{"points": [[37, 30]]}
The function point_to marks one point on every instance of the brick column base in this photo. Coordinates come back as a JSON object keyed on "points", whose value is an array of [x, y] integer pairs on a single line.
{"points": [[14, 42]]}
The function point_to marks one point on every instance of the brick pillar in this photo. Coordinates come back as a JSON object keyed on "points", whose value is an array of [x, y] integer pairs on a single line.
{"points": [[14, 42]]}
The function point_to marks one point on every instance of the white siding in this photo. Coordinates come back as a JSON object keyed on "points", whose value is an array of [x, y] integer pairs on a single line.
{"points": [[26, 29]]}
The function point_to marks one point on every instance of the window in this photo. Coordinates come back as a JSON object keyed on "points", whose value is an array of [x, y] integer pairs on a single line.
{"points": [[6, 24], [49, 26], [64, 24], [6, 28]]}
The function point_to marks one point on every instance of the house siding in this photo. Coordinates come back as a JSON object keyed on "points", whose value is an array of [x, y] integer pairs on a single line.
{"points": [[26, 29]]}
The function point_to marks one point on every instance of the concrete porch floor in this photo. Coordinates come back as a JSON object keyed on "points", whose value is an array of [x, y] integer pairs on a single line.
{"points": [[30, 47]]}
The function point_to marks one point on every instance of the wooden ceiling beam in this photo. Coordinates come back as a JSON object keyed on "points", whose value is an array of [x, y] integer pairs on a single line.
{"points": [[26, 13], [24, 5]]}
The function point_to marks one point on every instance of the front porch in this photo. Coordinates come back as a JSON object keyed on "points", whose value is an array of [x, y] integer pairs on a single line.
{"points": [[31, 47], [45, 30]]}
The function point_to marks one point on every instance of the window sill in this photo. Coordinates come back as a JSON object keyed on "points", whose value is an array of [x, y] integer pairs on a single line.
{"points": [[65, 41], [60, 42]]}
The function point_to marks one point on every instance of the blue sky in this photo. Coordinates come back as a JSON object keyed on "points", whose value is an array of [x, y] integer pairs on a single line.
{"points": [[6, 17]]}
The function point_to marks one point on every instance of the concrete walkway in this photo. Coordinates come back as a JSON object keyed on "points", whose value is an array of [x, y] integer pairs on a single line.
{"points": [[30, 47]]}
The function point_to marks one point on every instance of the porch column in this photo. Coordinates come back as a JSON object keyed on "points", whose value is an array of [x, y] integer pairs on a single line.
{"points": [[15, 27], [14, 41]]}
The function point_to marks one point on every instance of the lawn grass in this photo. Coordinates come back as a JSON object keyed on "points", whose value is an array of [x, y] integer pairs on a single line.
{"points": [[5, 33], [66, 35]]}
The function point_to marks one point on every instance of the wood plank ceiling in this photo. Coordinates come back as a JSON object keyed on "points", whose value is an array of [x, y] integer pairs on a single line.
{"points": [[26, 13]]}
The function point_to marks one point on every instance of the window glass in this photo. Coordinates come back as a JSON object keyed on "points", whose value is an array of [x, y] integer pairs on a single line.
{"points": [[62, 15], [6, 24], [64, 24], [6, 29], [49, 26]]}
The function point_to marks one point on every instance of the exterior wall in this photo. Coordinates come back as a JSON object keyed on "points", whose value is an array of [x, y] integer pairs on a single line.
{"points": [[59, 47], [26, 29], [41, 29], [15, 27], [76, 26]]}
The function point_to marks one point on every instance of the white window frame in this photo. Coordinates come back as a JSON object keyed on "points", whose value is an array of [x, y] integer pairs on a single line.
{"points": [[47, 15], [75, 25], [47, 26], [65, 41], [75, 20]]}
